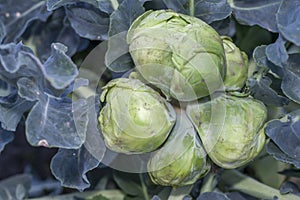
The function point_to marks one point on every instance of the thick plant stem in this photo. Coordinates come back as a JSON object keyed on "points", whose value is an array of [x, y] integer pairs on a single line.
{"points": [[240, 182], [210, 182], [115, 4], [192, 8], [144, 188]]}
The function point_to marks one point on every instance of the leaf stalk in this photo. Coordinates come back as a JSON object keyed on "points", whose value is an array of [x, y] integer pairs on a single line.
{"points": [[240, 182]]}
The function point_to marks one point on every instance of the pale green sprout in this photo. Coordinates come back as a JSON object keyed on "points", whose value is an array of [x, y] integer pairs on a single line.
{"points": [[182, 160], [135, 118], [180, 54], [240, 136], [237, 66]]}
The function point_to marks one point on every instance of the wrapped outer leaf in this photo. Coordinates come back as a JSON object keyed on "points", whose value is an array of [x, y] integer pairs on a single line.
{"points": [[135, 119], [180, 54], [231, 129], [182, 159], [237, 66]]}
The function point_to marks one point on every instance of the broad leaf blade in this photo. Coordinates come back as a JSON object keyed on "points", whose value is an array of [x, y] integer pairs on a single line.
{"points": [[266, 87], [268, 175], [108, 6], [212, 10], [12, 109], [77, 162], [207, 10], [279, 155], [181, 193], [59, 69], [54, 4], [78, 82], [56, 30], [291, 79], [123, 17], [289, 187], [15, 187], [88, 22], [5, 138], [261, 90], [117, 57], [285, 133], [288, 19], [129, 183], [290, 172], [225, 26], [17, 61], [89, 195], [180, 6], [213, 195], [19, 14], [5, 88], [13, 57], [277, 53], [261, 59], [28, 89], [70, 166], [239, 196], [2, 31], [56, 122], [94, 142], [262, 13]]}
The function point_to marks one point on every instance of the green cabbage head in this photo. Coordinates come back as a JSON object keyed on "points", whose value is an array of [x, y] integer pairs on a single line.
{"points": [[180, 54], [231, 129], [237, 66], [182, 159], [135, 118]]}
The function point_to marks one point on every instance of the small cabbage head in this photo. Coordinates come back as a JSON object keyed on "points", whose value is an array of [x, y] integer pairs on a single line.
{"points": [[180, 54], [231, 129], [182, 159], [237, 66], [135, 118]]}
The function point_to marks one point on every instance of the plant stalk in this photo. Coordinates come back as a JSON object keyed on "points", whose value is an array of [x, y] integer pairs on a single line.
{"points": [[210, 182], [240, 182], [192, 8], [144, 188]]}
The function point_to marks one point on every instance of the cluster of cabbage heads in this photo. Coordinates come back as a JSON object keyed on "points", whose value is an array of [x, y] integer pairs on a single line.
{"points": [[182, 59]]}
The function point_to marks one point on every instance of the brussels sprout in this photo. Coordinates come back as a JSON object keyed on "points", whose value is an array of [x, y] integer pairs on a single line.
{"points": [[135, 118], [180, 54], [237, 66], [182, 159], [231, 129]]}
